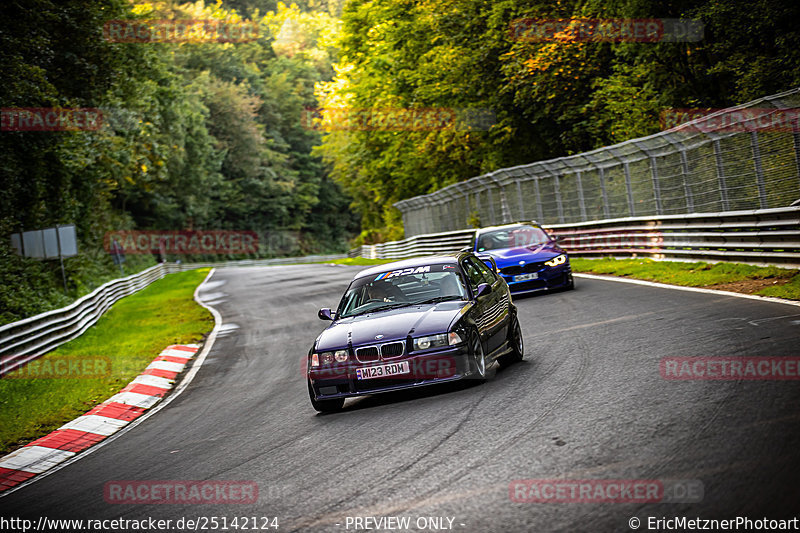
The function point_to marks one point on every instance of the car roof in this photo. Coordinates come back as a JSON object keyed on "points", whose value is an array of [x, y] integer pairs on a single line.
{"points": [[451, 258], [506, 226]]}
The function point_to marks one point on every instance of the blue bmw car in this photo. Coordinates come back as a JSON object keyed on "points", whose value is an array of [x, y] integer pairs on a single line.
{"points": [[413, 323], [527, 258]]}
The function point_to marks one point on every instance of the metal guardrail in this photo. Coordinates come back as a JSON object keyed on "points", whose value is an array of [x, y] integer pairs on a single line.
{"points": [[25, 340], [742, 158], [431, 244], [28, 339], [763, 237]]}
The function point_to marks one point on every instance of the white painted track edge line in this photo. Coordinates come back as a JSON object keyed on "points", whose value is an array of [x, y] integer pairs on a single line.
{"points": [[196, 363], [770, 299]]}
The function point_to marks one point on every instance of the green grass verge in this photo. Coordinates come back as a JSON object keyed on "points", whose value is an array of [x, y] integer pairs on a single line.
{"points": [[695, 274], [39, 398]]}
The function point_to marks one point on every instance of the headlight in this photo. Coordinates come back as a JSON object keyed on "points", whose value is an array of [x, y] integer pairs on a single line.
{"points": [[557, 260], [327, 358], [437, 341]]}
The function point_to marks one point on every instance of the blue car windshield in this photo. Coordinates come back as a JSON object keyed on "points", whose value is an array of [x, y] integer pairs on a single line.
{"points": [[516, 237], [383, 292]]}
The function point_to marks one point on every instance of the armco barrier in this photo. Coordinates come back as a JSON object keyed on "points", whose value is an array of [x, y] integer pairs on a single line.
{"points": [[431, 244], [765, 237], [25, 340]]}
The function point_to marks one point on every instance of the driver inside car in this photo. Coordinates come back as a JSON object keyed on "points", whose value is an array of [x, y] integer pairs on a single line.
{"points": [[377, 292]]}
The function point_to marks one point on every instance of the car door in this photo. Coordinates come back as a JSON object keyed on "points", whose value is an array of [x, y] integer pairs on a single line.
{"points": [[475, 278], [497, 306]]}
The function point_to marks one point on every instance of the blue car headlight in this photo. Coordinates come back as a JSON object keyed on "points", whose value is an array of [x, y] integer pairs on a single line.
{"points": [[557, 260], [437, 341]]}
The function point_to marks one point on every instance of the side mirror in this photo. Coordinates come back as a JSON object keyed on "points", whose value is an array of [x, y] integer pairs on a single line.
{"points": [[325, 314], [483, 289]]}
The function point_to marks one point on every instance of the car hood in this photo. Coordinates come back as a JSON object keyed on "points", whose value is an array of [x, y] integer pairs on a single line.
{"points": [[512, 256], [394, 324]]}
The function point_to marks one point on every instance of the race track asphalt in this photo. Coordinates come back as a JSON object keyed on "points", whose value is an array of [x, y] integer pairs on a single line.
{"points": [[588, 403]]}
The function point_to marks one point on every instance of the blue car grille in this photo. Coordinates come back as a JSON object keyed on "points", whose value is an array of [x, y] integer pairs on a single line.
{"points": [[522, 269]]}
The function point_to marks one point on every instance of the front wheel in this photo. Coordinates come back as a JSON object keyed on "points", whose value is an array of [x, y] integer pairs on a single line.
{"points": [[325, 406], [516, 345], [477, 356]]}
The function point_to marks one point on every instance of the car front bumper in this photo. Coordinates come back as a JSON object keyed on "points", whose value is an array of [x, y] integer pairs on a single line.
{"points": [[340, 381], [549, 279]]}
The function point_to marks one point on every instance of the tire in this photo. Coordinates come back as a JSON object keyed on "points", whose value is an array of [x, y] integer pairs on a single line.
{"points": [[325, 406], [516, 344], [571, 284], [477, 357]]}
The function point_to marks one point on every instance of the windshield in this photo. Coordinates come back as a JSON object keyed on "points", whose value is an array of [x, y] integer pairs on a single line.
{"points": [[402, 288], [516, 237]]}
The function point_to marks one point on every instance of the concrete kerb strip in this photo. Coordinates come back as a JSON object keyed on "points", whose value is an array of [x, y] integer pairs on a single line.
{"points": [[41, 461]]}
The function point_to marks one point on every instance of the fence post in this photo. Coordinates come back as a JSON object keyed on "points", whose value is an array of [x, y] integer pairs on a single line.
{"points": [[627, 170], [723, 187], [656, 187], [559, 204], [796, 143], [762, 192], [539, 212], [686, 186], [505, 212], [602, 173], [519, 197], [492, 214], [581, 201]]}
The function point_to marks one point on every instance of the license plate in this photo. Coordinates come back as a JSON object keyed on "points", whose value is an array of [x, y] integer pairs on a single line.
{"points": [[381, 371], [526, 277]]}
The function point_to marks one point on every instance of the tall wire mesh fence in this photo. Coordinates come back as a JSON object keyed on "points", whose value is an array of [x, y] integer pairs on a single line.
{"points": [[742, 158]]}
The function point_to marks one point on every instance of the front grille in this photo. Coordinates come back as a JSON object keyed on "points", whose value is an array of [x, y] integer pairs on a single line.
{"points": [[533, 267], [511, 271], [524, 269], [368, 354], [392, 349]]}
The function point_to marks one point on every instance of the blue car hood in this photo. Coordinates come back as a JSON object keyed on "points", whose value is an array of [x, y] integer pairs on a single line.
{"points": [[395, 324], [512, 256]]}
